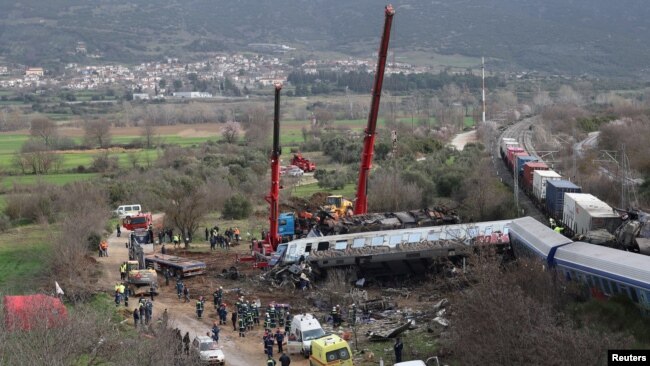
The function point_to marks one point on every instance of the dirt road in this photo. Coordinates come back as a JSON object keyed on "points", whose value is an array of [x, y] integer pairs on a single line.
{"points": [[238, 351], [463, 139]]}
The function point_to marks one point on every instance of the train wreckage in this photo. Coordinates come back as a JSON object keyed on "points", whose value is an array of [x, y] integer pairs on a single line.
{"points": [[386, 252]]}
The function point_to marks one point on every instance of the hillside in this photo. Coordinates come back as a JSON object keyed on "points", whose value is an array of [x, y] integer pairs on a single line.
{"points": [[577, 36]]}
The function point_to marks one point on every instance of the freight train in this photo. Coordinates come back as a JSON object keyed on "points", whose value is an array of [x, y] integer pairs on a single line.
{"points": [[604, 271], [579, 214]]}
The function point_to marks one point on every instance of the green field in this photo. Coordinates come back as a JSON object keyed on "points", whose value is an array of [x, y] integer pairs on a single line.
{"points": [[58, 179], [23, 251], [308, 189]]}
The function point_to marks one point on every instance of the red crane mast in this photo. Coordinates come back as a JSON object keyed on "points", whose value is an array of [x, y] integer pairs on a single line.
{"points": [[273, 237], [361, 202]]}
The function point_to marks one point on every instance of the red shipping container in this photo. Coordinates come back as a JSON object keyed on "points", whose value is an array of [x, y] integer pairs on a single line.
{"points": [[529, 169], [511, 151]]}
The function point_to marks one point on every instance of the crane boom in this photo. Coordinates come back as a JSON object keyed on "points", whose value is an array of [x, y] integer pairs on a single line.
{"points": [[361, 202], [273, 198]]}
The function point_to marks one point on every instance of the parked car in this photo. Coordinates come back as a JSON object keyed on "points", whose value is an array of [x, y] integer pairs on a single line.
{"points": [[295, 172], [208, 351]]}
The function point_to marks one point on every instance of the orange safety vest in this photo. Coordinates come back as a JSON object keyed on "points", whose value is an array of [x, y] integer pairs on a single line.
{"points": [[104, 245]]}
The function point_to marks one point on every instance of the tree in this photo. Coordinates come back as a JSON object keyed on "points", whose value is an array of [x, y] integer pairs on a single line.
{"points": [[185, 201], [177, 85], [324, 117], [148, 133], [45, 129], [567, 95], [97, 132], [230, 132], [162, 83]]}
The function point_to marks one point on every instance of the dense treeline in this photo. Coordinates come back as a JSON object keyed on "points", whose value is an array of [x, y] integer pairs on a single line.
{"points": [[361, 82]]}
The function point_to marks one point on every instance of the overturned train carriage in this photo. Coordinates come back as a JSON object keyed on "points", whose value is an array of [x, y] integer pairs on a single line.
{"points": [[394, 251]]}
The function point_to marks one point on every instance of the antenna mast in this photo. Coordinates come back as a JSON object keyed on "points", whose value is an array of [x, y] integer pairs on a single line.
{"points": [[483, 89]]}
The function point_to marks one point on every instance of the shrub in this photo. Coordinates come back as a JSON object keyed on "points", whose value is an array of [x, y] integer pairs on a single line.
{"points": [[237, 207], [5, 223]]}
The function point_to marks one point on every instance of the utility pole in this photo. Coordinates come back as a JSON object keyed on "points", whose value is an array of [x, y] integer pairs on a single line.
{"points": [[483, 88]]}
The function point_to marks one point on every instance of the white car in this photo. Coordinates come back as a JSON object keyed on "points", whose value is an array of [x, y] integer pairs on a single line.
{"points": [[209, 351], [295, 172]]}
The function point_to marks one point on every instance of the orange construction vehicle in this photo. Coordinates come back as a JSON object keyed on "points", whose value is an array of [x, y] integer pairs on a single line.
{"points": [[304, 164]]}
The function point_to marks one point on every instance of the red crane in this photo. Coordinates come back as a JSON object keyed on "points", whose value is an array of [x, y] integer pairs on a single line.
{"points": [[273, 237], [361, 202]]}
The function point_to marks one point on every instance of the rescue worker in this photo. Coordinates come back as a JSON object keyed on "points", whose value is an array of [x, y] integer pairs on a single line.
{"points": [[199, 308], [186, 342], [186, 293], [166, 273], [280, 312], [256, 314], [119, 231], [127, 292], [223, 313], [148, 311], [242, 329], [123, 271], [335, 317], [269, 345], [270, 361], [142, 311], [177, 241], [287, 323], [272, 317], [219, 295], [117, 298], [267, 321], [279, 338], [397, 347], [233, 318], [558, 229], [249, 318], [121, 288], [215, 331], [285, 360], [136, 317], [165, 318]]}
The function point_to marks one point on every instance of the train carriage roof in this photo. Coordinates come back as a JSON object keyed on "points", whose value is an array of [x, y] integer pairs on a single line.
{"points": [[537, 236], [619, 264]]}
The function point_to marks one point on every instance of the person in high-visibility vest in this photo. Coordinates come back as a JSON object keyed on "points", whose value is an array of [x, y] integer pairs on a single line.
{"points": [[199, 308], [123, 271], [558, 229], [270, 361], [242, 330]]}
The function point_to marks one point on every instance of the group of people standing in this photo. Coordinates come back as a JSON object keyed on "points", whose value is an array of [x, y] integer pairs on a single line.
{"points": [[223, 241]]}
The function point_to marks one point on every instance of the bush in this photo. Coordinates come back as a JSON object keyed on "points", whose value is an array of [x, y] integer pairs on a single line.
{"points": [[331, 179], [237, 207], [5, 223]]}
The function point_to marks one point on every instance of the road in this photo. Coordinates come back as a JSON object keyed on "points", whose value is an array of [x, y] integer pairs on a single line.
{"points": [[588, 143], [238, 351], [462, 139]]}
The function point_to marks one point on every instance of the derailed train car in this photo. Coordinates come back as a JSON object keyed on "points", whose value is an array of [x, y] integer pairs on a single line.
{"points": [[394, 251], [604, 271]]}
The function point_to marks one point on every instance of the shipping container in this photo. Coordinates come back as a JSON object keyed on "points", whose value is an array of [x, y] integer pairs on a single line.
{"points": [[584, 212], [505, 143], [555, 190], [521, 161], [510, 151], [513, 160], [539, 182], [529, 168]]}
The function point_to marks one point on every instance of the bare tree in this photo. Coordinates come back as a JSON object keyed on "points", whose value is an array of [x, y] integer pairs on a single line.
{"points": [[515, 317], [389, 192], [324, 117], [97, 132], [258, 127], [230, 131], [567, 95], [185, 202], [44, 129], [148, 133]]}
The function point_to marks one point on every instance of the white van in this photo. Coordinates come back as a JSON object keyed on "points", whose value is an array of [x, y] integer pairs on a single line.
{"points": [[128, 210], [304, 329]]}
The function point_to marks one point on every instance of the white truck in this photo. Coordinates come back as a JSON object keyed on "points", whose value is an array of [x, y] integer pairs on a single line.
{"points": [[304, 329]]}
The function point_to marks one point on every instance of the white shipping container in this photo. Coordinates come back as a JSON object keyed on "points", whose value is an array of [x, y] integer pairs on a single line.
{"points": [[584, 212], [539, 182], [506, 144]]}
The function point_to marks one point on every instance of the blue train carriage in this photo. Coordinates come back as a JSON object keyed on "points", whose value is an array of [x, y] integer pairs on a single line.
{"points": [[606, 271], [530, 238]]}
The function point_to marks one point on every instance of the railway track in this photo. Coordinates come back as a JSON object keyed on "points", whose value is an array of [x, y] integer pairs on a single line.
{"points": [[521, 131]]}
